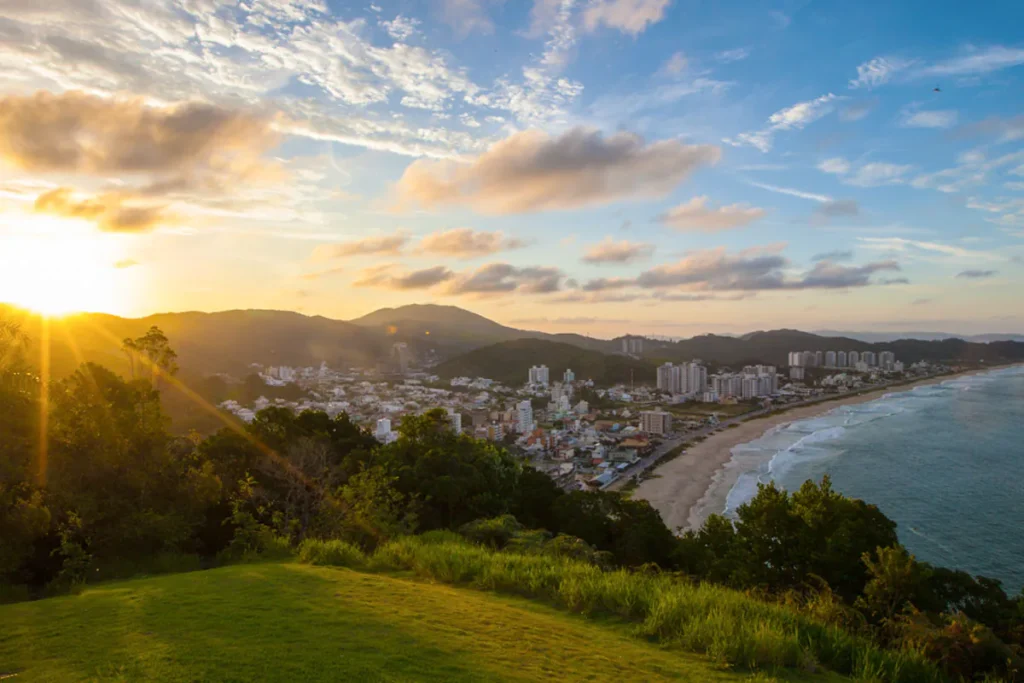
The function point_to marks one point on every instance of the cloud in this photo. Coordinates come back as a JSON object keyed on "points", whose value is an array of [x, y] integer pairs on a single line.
{"points": [[320, 274], [368, 246], [78, 133], [384, 277], [697, 215], [603, 284], [920, 302], [834, 256], [466, 16], [610, 251], [676, 64], [894, 281], [733, 55], [532, 171], [792, 192], [1007, 130], [112, 212], [502, 278], [855, 111], [927, 250], [878, 173], [837, 208], [125, 263], [467, 243], [795, 117], [754, 270], [977, 61], [401, 28], [628, 16], [878, 71], [930, 119], [836, 165], [976, 274]]}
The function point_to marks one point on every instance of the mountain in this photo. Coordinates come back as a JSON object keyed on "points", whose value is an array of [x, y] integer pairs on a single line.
{"points": [[876, 337], [450, 329], [227, 341], [509, 363]]}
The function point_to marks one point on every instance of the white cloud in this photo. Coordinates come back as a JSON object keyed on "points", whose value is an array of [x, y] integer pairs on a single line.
{"points": [[977, 61], [795, 117], [792, 192], [696, 215], [466, 16], [628, 16], [878, 173], [624, 251], [836, 165], [733, 55], [930, 119], [675, 64], [401, 28], [878, 71]]}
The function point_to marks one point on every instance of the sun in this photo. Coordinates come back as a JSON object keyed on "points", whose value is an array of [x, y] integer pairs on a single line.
{"points": [[58, 267]]}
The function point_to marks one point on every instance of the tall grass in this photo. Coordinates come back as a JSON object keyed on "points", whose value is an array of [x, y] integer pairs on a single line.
{"points": [[332, 553], [727, 625]]}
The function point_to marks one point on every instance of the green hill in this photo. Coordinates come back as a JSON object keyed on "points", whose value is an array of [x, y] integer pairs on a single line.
{"points": [[290, 622], [509, 362]]}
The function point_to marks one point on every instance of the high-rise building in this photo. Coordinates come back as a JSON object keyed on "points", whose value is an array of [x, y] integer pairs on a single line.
{"points": [[796, 359], [401, 356], [830, 359], [853, 357], [887, 360], [538, 374], [670, 378], [819, 359], [696, 378], [568, 376], [525, 417], [870, 358], [455, 418], [633, 345], [808, 359], [655, 422], [841, 359], [383, 430]]}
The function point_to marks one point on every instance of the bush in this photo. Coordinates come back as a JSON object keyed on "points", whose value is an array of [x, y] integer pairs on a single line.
{"points": [[494, 533], [727, 625], [333, 553]]}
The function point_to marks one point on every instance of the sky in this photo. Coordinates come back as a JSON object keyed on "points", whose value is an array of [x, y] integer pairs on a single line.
{"points": [[663, 167]]}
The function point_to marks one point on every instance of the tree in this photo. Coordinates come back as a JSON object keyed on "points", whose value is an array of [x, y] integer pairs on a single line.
{"points": [[631, 530], [896, 582], [154, 350]]}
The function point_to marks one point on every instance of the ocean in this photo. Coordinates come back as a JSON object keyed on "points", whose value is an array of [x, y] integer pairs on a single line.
{"points": [[945, 462]]}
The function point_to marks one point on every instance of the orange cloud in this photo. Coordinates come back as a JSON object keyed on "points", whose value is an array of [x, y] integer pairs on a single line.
{"points": [[112, 211], [533, 171], [467, 243]]}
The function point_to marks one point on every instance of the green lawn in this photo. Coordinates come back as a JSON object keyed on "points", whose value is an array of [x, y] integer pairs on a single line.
{"points": [[291, 622]]}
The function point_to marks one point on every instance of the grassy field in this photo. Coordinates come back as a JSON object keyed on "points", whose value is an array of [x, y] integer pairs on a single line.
{"points": [[292, 622]]}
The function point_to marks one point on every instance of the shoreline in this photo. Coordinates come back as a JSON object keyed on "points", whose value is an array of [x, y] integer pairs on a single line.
{"points": [[695, 484]]}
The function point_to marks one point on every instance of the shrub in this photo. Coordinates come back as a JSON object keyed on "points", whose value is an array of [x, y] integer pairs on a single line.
{"points": [[332, 553], [494, 533]]}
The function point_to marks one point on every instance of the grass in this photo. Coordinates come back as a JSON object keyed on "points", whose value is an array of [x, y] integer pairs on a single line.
{"points": [[292, 622]]}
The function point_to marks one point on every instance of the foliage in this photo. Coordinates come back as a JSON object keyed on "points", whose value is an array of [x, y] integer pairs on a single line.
{"points": [[373, 510], [631, 530], [494, 533], [331, 553]]}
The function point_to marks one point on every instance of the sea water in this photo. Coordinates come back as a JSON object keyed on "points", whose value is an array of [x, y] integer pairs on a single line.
{"points": [[945, 462]]}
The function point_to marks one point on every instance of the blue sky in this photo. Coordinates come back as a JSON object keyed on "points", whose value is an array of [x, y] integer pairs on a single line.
{"points": [[599, 166]]}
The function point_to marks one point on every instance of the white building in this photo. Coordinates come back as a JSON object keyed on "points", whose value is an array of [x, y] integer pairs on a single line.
{"points": [[655, 422], [841, 359], [853, 357], [870, 358], [525, 417], [633, 345], [568, 376], [539, 374], [455, 418], [830, 359], [383, 431]]}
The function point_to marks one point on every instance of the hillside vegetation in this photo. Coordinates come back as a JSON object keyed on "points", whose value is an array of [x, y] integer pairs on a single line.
{"points": [[290, 622], [509, 363]]}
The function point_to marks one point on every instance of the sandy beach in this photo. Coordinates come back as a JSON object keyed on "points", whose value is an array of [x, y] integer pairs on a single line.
{"points": [[695, 484]]}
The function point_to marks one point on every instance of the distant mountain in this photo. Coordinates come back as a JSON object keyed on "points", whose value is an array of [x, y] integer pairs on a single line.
{"points": [[450, 329], [206, 343], [509, 362], [876, 337]]}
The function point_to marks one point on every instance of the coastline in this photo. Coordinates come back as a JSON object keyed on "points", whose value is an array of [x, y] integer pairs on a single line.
{"points": [[694, 485]]}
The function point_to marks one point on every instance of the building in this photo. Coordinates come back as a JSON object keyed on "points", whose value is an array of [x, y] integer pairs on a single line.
{"points": [[796, 373], [383, 431], [401, 356], [655, 422], [830, 359], [524, 414], [696, 379], [808, 359], [538, 375], [669, 378], [568, 376], [455, 418], [852, 359], [633, 345], [582, 408], [841, 359], [870, 358], [887, 360], [819, 359]]}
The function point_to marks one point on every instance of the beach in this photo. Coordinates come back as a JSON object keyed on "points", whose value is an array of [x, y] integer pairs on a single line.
{"points": [[695, 484]]}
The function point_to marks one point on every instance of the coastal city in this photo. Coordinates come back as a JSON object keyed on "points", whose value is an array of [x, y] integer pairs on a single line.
{"points": [[583, 435]]}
